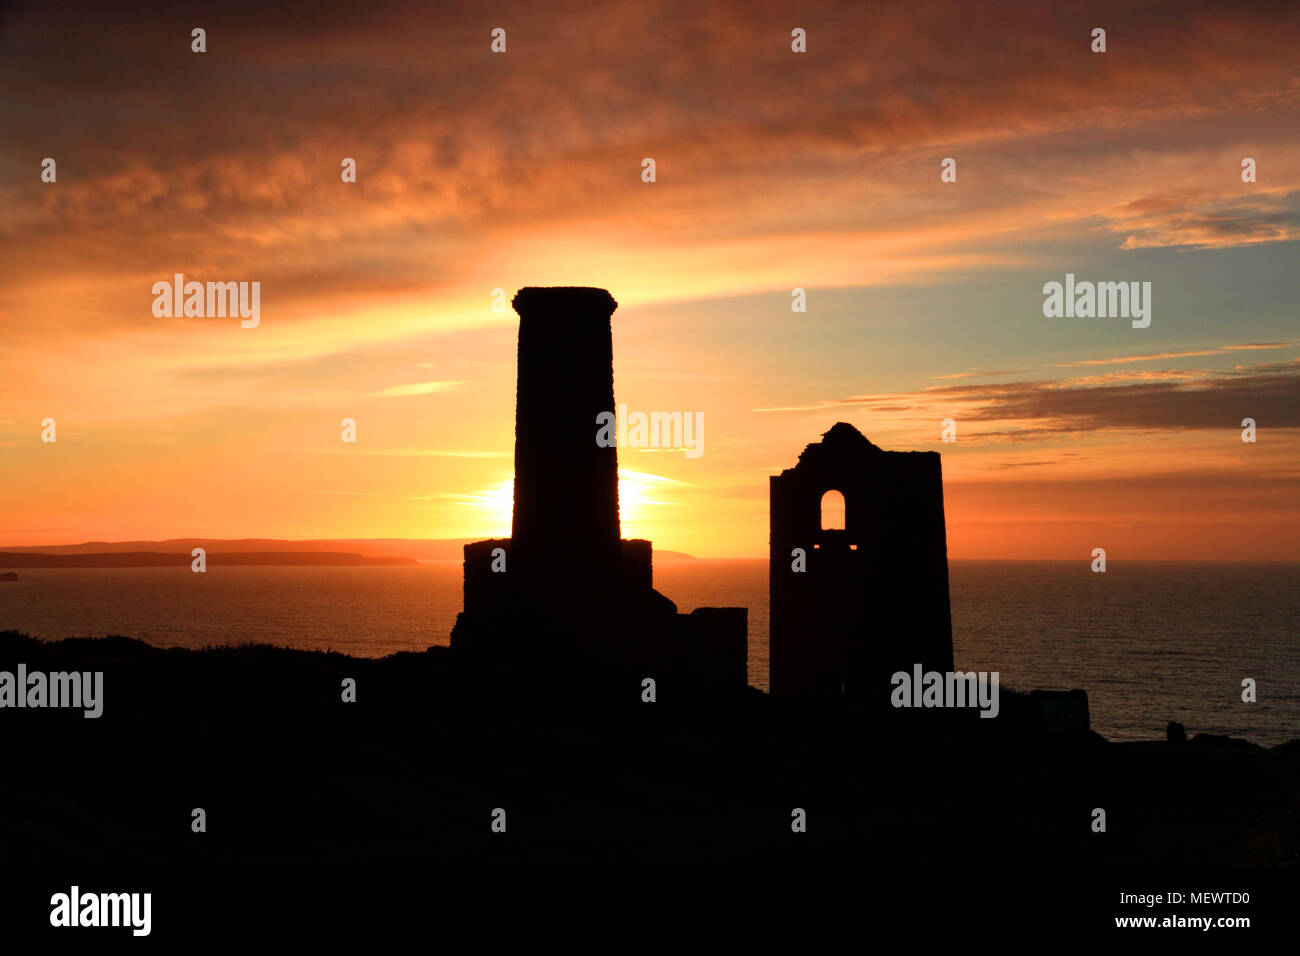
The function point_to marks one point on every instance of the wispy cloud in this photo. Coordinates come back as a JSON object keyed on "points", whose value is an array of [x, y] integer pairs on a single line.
{"points": [[1161, 356], [416, 388], [978, 373], [416, 452], [1195, 220], [1158, 400]]}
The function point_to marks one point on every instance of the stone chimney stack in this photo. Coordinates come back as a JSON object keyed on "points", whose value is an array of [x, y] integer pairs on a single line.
{"points": [[565, 524]]}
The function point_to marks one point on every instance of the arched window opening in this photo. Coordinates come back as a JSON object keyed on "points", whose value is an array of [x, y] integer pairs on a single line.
{"points": [[833, 511]]}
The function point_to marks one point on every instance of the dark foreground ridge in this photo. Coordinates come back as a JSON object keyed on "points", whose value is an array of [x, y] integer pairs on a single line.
{"points": [[290, 774]]}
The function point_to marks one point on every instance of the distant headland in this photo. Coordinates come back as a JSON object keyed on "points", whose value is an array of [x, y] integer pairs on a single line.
{"points": [[163, 559], [255, 551]]}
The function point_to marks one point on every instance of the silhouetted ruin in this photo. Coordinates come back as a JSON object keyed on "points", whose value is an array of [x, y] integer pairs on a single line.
{"points": [[854, 604], [566, 593]]}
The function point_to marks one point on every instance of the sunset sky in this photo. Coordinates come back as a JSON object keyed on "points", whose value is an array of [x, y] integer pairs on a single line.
{"points": [[775, 170]]}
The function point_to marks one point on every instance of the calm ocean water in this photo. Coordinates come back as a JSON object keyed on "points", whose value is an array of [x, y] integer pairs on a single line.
{"points": [[1149, 642]]}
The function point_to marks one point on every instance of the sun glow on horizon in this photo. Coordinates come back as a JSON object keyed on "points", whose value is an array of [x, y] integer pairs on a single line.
{"points": [[638, 492]]}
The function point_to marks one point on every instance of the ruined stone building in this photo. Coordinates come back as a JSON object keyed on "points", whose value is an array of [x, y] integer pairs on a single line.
{"points": [[566, 593], [859, 568]]}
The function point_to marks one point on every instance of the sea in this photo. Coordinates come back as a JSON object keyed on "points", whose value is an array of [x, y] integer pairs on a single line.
{"points": [[1149, 642]]}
